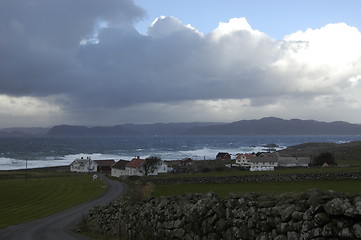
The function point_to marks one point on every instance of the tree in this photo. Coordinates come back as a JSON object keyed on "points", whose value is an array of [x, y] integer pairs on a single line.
{"points": [[150, 165], [324, 157]]}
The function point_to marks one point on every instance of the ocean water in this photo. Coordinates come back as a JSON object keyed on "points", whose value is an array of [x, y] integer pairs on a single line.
{"points": [[16, 152]]}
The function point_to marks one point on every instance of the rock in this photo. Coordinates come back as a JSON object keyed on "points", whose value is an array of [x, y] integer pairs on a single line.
{"points": [[337, 206], [281, 237], [357, 230], [297, 216], [267, 204], [321, 219], [178, 233], [287, 213], [220, 225], [213, 236], [328, 230], [315, 232], [263, 236], [293, 236], [345, 233], [229, 235]]}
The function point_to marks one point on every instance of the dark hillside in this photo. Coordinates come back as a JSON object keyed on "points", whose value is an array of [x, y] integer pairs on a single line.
{"points": [[343, 152], [277, 126]]}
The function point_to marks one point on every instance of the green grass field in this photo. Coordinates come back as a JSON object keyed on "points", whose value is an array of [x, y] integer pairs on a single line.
{"points": [[350, 186], [41, 195]]}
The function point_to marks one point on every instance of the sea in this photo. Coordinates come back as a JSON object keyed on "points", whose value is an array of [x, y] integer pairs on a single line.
{"points": [[36, 152]]}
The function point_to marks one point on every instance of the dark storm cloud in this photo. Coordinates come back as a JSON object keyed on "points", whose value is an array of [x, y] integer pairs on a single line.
{"points": [[173, 62], [42, 55], [87, 56], [39, 40]]}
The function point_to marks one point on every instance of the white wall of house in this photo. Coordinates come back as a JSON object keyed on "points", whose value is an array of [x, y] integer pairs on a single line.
{"points": [[243, 162], [294, 161], [162, 168], [129, 171], [263, 164], [115, 172]]}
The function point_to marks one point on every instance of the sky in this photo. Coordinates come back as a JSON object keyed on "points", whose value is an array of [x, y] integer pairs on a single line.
{"points": [[108, 62]]}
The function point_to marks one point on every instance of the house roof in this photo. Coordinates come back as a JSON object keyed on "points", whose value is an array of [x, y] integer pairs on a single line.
{"points": [[186, 160], [120, 164], [223, 154], [269, 159], [135, 162], [248, 156], [105, 163], [81, 161], [294, 160]]}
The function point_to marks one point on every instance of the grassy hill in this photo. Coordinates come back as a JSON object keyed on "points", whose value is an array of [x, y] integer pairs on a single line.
{"points": [[345, 153]]}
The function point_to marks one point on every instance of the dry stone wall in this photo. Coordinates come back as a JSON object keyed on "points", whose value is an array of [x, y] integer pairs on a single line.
{"points": [[257, 178], [251, 216]]}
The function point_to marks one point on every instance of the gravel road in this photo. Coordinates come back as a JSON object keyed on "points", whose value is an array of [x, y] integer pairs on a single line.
{"points": [[58, 226]]}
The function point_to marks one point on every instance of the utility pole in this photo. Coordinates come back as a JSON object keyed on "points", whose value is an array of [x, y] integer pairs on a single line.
{"points": [[26, 168]]}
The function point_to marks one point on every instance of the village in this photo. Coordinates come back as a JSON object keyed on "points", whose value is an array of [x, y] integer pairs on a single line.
{"points": [[265, 161]]}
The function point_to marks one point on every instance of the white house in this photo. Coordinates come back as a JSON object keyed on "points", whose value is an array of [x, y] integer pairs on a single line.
{"points": [[118, 169], [134, 167], [265, 161], [162, 168], [83, 165], [244, 160], [294, 161]]}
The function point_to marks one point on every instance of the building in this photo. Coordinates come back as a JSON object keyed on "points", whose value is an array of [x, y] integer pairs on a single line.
{"points": [[244, 160], [134, 167], [104, 165], [118, 169], [294, 161], [223, 156], [264, 161], [161, 168], [186, 161], [83, 165]]}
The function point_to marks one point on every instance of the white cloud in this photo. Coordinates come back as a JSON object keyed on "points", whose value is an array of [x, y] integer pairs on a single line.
{"points": [[234, 25], [166, 26], [321, 59]]}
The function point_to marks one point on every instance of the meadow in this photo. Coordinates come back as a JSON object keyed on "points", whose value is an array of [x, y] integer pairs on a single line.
{"points": [[222, 190], [347, 186], [26, 197]]}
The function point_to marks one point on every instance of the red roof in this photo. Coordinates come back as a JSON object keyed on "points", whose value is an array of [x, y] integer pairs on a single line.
{"points": [[135, 162], [104, 163], [248, 156]]}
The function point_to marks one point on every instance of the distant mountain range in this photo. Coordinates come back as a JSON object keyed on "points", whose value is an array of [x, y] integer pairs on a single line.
{"points": [[264, 126], [277, 126], [128, 129], [23, 131]]}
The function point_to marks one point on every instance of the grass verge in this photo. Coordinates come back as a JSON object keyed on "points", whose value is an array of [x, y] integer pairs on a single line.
{"points": [[24, 200], [349, 186]]}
